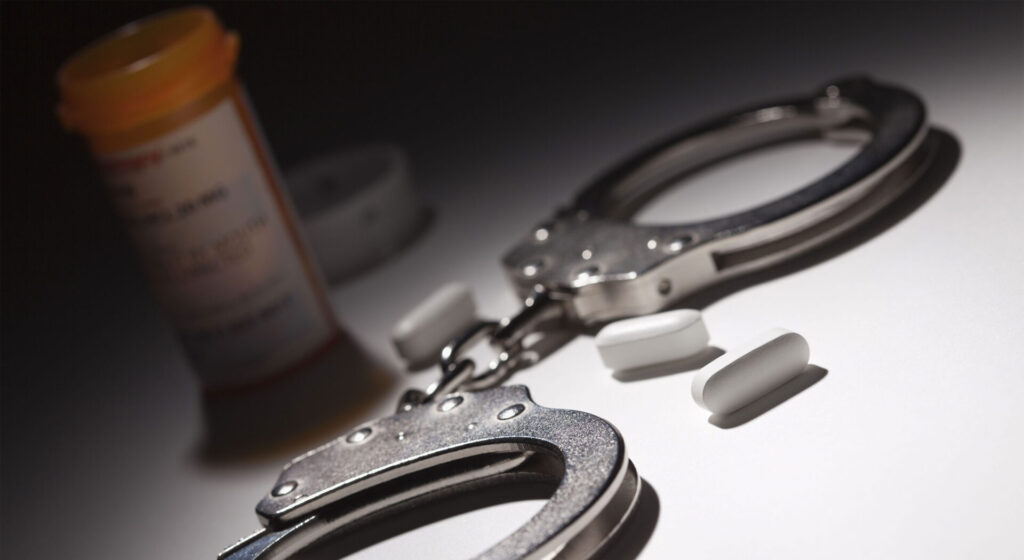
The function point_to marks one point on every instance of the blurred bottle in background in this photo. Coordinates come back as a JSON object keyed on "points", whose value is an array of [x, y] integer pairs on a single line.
{"points": [[199, 193]]}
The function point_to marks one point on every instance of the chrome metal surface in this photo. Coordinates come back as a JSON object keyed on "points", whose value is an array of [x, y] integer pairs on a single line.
{"points": [[587, 265], [506, 338], [603, 267], [430, 450], [590, 264]]}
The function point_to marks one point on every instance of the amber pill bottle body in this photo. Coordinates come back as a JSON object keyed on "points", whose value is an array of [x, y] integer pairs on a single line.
{"points": [[190, 175]]}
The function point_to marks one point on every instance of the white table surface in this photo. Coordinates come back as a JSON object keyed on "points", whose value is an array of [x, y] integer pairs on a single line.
{"points": [[911, 446]]}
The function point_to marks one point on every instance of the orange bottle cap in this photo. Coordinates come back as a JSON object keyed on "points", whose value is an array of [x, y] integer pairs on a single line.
{"points": [[145, 71]]}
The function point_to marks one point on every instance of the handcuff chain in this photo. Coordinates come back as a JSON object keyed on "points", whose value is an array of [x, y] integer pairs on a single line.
{"points": [[505, 336]]}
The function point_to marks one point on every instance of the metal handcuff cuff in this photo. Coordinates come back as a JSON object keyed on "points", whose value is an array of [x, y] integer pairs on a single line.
{"points": [[585, 266]]}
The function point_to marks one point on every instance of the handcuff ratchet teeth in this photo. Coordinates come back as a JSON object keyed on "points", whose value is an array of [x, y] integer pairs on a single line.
{"points": [[587, 265]]}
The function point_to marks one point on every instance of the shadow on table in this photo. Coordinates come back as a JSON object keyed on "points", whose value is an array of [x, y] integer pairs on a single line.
{"points": [[809, 376], [691, 363], [291, 414], [632, 537], [942, 152]]}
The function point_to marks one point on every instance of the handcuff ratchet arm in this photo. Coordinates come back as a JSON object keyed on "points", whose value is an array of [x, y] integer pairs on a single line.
{"points": [[606, 267]]}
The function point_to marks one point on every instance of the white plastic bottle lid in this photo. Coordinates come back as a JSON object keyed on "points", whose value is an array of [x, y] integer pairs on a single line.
{"points": [[357, 207]]}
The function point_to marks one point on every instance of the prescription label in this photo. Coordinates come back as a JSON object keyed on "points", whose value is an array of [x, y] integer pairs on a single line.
{"points": [[221, 255]]}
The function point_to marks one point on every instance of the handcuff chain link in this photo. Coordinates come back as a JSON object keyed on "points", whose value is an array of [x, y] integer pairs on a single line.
{"points": [[458, 372]]}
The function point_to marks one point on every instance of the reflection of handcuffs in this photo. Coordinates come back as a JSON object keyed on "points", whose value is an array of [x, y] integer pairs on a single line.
{"points": [[589, 265]]}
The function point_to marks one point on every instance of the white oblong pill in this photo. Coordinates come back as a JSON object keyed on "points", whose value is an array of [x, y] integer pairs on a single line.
{"points": [[652, 339], [420, 335], [741, 376]]}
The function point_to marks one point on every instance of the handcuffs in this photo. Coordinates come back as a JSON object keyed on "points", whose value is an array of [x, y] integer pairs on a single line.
{"points": [[585, 266]]}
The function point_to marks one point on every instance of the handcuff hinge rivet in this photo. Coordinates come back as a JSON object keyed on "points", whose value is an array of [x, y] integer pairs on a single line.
{"points": [[359, 436], [679, 243], [664, 287], [511, 412], [284, 488], [588, 272], [449, 404], [532, 268]]}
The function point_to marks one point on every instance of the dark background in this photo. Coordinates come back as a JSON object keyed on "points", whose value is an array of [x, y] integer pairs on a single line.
{"points": [[324, 75], [495, 84]]}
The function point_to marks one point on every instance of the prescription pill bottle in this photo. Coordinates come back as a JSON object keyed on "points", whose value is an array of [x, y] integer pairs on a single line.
{"points": [[190, 175]]}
